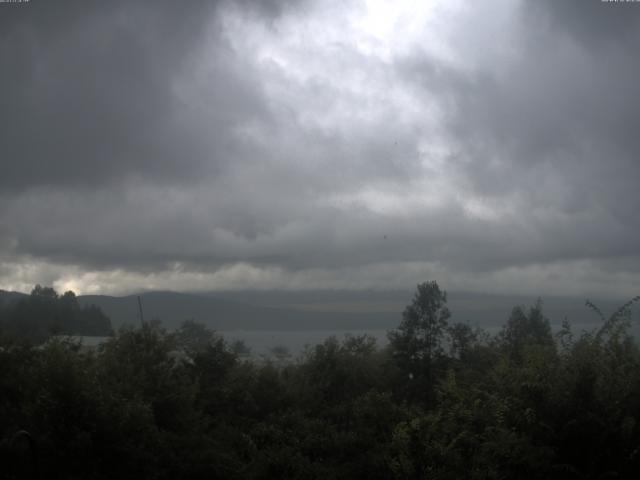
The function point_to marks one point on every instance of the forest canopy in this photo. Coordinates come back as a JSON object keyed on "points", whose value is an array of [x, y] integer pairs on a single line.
{"points": [[442, 400]]}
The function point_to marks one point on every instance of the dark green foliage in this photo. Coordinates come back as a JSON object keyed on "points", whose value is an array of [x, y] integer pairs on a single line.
{"points": [[418, 345], [523, 329], [155, 404], [419, 338]]}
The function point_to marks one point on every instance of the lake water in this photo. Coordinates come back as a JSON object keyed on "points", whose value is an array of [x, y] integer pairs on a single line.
{"points": [[262, 341]]}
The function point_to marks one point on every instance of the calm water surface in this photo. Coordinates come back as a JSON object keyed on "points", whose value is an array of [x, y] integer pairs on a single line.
{"points": [[262, 341]]}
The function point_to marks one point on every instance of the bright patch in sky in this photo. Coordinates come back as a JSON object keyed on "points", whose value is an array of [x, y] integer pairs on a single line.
{"points": [[386, 28]]}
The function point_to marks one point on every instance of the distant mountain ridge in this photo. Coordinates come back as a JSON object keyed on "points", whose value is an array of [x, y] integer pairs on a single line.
{"points": [[324, 310], [222, 314], [6, 296]]}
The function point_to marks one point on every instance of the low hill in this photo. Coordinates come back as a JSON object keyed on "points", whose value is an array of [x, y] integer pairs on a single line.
{"points": [[223, 314], [331, 310], [8, 297], [324, 310]]}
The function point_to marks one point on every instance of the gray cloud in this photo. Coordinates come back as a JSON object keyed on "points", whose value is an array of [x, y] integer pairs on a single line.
{"points": [[272, 135], [93, 93], [555, 127], [592, 22]]}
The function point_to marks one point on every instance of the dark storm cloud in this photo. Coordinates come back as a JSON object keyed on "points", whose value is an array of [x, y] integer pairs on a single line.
{"points": [[91, 92], [140, 137]]}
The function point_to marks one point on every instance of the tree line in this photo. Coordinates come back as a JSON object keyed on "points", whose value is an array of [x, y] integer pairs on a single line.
{"points": [[44, 313], [442, 400]]}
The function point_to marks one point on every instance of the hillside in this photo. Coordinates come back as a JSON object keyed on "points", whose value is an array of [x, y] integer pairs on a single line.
{"points": [[222, 314], [323, 310], [329, 310]]}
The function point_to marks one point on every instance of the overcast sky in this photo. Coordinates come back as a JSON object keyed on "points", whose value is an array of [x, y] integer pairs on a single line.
{"points": [[492, 146]]}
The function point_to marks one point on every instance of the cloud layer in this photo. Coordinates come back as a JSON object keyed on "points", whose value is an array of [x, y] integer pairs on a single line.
{"points": [[302, 144]]}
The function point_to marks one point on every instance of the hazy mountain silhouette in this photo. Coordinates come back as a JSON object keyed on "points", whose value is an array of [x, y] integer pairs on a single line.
{"points": [[324, 310], [223, 314], [6, 297]]}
